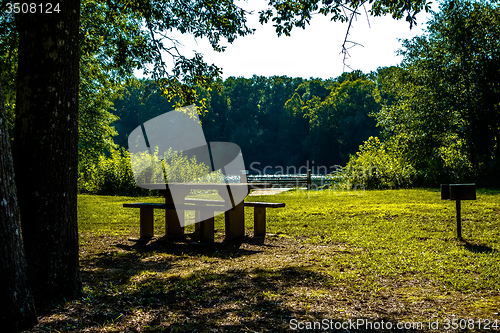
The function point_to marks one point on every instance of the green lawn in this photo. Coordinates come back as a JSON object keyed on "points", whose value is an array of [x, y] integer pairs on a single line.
{"points": [[377, 255]]}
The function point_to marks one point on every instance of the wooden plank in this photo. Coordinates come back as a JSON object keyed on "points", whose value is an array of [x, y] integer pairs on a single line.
{"points": [[259, 221], [201, 206], [204, 201], [197, 216], [143, 204], [173, 220]]}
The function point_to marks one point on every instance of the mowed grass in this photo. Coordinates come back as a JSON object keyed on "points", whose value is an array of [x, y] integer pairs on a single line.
{"points": [[373, 255]]}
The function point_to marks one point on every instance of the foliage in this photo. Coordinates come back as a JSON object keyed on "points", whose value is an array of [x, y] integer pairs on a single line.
{"points": [[114, 174], [377, 165], [135, 35], [140, 101], [118, 37], [446, 96], [8, 67], [95, 121], [100, 77], [172, 166], [297, 13], [277, 120], [293, 128], [340, 122], [109, 175], [181, 168]]}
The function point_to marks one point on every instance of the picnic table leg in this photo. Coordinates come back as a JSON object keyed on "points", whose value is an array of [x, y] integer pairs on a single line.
{"points": [[173, 221], [206, 227], [146, 223], [259, 221], [235, 222]]}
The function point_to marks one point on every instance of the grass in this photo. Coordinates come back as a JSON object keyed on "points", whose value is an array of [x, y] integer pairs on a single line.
{"points": [[376, 256]]}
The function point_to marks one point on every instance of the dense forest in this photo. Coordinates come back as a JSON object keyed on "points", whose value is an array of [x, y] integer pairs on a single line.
{"points": [[277, 121]]}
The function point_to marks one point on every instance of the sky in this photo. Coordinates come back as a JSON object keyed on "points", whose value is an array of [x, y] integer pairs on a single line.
{"points": [[313, 52]]}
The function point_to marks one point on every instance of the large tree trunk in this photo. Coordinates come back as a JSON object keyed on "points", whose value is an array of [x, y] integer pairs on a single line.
{"points": [[17, 310], [46, 149]]}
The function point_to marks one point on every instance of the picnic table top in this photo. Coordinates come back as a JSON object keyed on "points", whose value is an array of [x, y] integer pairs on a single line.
{"points": [[206, 185]]}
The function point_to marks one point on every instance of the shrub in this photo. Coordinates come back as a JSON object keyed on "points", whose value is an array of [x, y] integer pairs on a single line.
{"points": [[109, 175], [113, 174], [377, 165]]}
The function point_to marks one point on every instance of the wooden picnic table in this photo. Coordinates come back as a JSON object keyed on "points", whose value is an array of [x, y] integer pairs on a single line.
{"points": [[234, 214]]}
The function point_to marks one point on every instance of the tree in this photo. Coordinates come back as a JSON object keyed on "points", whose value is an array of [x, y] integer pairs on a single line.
{"points": [[17, 310], [46, 149], [340, 122], [446, 110], [293, 129]]}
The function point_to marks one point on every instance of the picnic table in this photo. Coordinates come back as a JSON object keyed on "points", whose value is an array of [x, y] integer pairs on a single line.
{"points": [[234, 213]]}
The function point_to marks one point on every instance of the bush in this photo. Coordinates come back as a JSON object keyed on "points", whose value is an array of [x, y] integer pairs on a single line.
{"points": [[376, 165], [113, 174], [109, 175]]}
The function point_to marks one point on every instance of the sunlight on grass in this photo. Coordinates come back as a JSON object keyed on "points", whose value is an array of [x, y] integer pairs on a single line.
{"points": [[401, 232]]}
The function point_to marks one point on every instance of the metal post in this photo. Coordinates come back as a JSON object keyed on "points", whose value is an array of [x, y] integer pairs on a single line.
{"points": [[459, 221], [308, 179]]}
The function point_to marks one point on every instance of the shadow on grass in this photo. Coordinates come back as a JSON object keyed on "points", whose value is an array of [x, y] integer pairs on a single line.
{"points": [[248, 300], [478, 248], [204, 300], [171, 286], [186, 245]]}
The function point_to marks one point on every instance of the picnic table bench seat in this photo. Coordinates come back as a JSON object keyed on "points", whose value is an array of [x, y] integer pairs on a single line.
{"points": [[206, 226], [259, 217]]}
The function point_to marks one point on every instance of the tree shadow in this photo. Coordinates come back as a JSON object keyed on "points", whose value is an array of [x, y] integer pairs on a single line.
{"points": [[255, 300], [200, 288]]}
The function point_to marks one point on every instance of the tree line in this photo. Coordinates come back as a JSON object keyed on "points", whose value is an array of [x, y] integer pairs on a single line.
{"points": [[276, 121]]}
